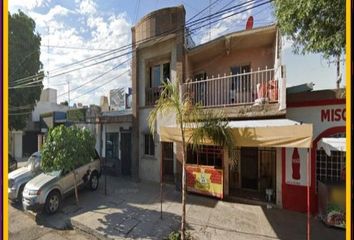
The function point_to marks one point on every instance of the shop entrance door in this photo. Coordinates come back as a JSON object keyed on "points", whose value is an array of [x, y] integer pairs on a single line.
{"points": [[249, 168], [126, 139], [167, 162]]}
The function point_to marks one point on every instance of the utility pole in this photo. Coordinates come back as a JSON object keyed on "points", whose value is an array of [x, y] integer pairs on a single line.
{"points": [[68, 82], [48, 57]]}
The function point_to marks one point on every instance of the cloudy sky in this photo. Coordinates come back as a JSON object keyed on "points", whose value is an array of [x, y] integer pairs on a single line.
{"points": [[76, 30]]}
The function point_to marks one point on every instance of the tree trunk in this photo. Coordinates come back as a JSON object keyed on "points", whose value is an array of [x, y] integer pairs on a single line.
{"points": [[339, 78], [183, 221], [75, 186]]}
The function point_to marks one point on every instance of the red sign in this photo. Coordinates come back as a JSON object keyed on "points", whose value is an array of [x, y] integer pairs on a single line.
{"points": [[205, 180], [295, 164]]}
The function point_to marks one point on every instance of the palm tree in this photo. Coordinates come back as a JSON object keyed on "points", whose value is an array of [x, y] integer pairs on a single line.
{"points": [[197, 125]]}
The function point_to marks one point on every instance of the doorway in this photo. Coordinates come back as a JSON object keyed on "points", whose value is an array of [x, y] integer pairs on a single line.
{"points": [[252, 172], [126, 152], [167, 162], [249, 168]]}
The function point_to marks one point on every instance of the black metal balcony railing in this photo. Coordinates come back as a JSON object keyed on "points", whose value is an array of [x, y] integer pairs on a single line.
{"points": [[152, 95]]}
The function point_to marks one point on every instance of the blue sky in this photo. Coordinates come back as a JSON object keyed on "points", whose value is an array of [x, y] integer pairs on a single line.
{"points": [[106, 24]]}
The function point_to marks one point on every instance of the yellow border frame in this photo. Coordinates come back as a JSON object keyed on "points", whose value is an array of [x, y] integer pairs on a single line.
{"points": [[5, 120], [348, 119]]}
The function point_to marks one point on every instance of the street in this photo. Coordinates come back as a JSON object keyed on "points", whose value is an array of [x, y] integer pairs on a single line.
{"points": [[24, 227]]}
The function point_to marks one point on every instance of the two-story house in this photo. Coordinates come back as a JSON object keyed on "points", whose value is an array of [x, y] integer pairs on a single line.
{"points": [[240, 73]]}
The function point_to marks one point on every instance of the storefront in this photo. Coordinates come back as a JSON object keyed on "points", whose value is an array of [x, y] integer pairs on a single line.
{"points": [[252, 173], [249, 168], [116, 141], [327, 114]]}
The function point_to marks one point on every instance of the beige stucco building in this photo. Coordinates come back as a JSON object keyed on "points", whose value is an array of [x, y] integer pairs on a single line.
{"points": [[240, 73]]}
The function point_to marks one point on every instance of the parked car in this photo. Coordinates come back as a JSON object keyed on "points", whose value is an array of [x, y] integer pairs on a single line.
{"points": [[19, 177], [12, 163], [47, 190]]}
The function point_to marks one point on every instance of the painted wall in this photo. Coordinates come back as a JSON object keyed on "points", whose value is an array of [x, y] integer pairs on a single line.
{"points": [[149, 57], [328, 118], [149, 167], [256, 57], [16, 146]]}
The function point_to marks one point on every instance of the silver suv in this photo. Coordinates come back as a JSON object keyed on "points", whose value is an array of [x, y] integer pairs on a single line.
{"points": [[48, 189], [19, 177]]}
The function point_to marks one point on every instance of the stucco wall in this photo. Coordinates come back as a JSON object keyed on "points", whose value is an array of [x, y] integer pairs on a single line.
{"points": [[256, 57], [149, 56]]}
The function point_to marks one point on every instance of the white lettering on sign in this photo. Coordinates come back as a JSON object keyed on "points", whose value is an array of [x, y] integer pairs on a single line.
{"points": [[333, 115]]}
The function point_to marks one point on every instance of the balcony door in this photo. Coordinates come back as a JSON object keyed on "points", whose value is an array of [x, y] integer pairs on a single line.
{"points": [[159, 73], [200, 88], [240, 91]]}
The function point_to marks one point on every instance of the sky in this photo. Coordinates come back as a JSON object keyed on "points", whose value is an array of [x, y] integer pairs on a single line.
{"points": [[73, 30]]}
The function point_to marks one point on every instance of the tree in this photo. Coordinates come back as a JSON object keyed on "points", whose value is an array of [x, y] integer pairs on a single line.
{"points": [[313, 26], [24, 53], [65, 148], [196, 125]]}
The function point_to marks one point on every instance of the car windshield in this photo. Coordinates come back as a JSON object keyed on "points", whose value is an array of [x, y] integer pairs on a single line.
{"points": [[33, 162], [54, 173]]}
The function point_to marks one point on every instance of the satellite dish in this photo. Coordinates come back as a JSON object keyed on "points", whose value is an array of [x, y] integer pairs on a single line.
{"points": [[249, 24]]}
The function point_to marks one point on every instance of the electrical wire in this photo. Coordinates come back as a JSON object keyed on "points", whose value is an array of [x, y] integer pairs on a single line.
{"points": [[189, 33], [97, 77], [114, 78]]}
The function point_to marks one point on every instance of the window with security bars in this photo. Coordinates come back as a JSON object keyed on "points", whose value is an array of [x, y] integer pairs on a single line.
{"points": [[329, 168], [149, 146], [205, 155]]}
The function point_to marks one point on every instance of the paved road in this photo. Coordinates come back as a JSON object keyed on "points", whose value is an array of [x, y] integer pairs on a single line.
{"points": [[24, 227]]}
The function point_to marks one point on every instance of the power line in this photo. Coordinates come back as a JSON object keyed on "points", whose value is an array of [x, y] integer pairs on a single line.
{"points": [[160, 35], [114, 78], [261, 4], [69, 71], [78, 48], [210, 5], [164, 33], [95, 78], [15, 114]]}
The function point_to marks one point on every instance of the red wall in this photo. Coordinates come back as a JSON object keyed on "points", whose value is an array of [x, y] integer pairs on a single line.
{"points": [[295, 197]]}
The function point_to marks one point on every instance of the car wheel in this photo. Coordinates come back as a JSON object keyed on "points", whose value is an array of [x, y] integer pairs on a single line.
{"points": [[94, 181], [52, 203], [19, 194]]}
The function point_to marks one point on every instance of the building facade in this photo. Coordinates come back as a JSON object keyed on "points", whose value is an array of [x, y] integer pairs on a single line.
{"points": [[240, 73], [325, 109]]}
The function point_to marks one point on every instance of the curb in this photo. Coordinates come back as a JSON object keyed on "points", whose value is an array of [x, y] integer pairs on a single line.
{"points": [[61, 222], [83, 228]]}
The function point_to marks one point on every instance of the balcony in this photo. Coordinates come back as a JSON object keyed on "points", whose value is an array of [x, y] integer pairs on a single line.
{"points": [[152, 95], [250, 88]]}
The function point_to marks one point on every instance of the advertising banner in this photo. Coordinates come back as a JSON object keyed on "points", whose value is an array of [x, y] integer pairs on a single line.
{"points": [[205, 180], [295, 166]]}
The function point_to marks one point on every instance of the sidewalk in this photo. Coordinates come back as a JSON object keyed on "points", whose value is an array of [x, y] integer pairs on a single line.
{"points": [[132, 211]]}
